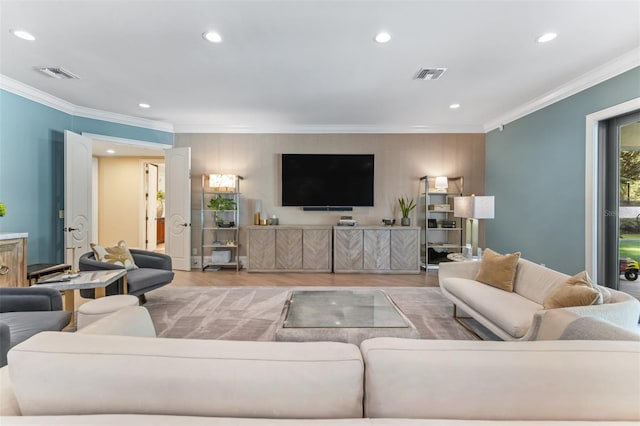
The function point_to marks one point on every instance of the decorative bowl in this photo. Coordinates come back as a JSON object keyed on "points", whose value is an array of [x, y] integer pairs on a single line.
{"points": [[389, 222]]}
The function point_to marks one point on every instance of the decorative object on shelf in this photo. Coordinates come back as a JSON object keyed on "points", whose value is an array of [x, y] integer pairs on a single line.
{"points": [[222, 183], [257, 211], [441, 184], [3, 209], [389, 222], [273, 220], [473, 208], [432, 223], [160, 205], [406, 206]]}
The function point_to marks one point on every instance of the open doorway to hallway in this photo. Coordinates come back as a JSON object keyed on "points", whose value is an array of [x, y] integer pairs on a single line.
{"points": [[128, 195]]}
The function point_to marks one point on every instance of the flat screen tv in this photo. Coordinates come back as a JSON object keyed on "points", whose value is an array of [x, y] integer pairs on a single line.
{"points": [[327, 180]]}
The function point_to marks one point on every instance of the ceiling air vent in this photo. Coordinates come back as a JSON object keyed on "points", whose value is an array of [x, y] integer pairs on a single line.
{"points": [[57, 72], [429, 73]]}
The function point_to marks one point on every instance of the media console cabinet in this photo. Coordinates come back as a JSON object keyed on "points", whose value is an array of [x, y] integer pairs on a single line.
{"points": [[339, 249]]}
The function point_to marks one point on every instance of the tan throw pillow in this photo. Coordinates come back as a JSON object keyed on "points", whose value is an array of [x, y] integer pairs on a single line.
{"points": [[116, 255], [578, 290], [498, 270]]}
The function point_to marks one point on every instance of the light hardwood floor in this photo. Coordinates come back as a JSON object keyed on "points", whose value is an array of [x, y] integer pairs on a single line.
{"points": [[231, 278]]}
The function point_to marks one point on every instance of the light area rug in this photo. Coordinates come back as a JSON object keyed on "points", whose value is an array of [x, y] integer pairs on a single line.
{"points": [[252, 313]]}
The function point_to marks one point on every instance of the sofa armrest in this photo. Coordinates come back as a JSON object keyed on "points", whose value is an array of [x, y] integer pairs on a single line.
{"points": [[129, 321], [149, 259], [25, 299], [8, 402], [467, 270]]}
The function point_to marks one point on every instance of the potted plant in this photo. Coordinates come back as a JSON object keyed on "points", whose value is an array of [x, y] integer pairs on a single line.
{"points": [[406, 206], [3, 209], [221, 204]]}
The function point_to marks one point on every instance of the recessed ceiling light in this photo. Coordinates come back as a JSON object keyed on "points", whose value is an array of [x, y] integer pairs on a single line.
{"points": [[143, 105], [110, 151], [23, 35], [382, 37], [212, 36], [454, 106], [546, 37]]}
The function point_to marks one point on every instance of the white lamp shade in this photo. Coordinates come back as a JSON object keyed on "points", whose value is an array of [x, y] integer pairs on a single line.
{"points": [[474, 207], [442, 183], [222, 181]]}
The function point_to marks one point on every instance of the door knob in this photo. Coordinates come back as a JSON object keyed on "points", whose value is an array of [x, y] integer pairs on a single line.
{"points": [[70, 229]]}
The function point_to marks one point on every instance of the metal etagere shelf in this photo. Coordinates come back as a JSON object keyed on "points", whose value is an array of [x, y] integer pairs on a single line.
{"points": [[442, 233], [220, 242]]}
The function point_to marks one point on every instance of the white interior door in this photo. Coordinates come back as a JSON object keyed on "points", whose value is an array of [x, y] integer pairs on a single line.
{"points": [[77, 195], [178, 207], [151, 191]]}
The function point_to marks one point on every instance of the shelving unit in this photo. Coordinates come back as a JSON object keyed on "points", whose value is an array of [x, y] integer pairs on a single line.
{"points": [[220, 228], [436, 206]]}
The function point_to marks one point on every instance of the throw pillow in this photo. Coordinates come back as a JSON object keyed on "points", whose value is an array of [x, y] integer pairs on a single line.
{"points": [[498, 270], [116, 255], [578, 290]]}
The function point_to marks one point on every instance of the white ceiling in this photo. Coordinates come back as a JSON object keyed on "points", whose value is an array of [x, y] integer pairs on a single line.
{"points": [[313, 65]]}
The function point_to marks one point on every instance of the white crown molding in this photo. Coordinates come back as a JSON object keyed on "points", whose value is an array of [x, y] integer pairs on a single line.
{"points": [[322, 129], [43, 98], [609, 70], [129, 142]]}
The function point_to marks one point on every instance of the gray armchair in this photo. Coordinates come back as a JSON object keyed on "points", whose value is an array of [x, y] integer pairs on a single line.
{"points": [[25, 311], [154, 271]]}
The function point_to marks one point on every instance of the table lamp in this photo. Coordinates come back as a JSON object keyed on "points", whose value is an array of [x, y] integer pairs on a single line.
{"points": [[473, 208]]}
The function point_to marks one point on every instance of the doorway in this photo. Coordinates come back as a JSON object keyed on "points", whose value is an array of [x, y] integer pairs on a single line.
{"points": [[619, 202]]}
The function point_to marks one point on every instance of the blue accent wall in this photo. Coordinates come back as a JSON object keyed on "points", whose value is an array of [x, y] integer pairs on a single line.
{"points": [[32, 168], [535, 168]]}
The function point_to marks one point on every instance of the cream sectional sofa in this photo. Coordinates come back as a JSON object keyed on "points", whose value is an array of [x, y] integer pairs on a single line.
{"points": [[519, 315], [98, 377]]}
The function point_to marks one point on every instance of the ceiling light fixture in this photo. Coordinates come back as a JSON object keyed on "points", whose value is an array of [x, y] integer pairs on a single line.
{"points": [[454, 106], [546, 37], [143, 105], [110, 151], [212, 36], [382, 37], [23, 35]]}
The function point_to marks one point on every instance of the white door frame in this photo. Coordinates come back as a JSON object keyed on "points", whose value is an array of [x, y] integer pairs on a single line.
{"points": [[591, 179]]}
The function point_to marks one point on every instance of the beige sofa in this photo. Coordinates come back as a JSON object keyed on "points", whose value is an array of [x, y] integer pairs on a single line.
{"points": [[89, 378], [519, 315]]}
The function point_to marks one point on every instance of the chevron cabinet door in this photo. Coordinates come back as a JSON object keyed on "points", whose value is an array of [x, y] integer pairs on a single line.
{"points": [[377, 249], [405, 250], [262, 253], [288, 248], [316, 249], [348, 250]]}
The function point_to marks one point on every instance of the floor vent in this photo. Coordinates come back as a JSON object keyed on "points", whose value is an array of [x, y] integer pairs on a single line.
{"points": [[430, 73], [57, 72]]}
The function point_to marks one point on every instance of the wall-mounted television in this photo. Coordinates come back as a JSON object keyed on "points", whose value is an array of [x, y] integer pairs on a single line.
{"points": [[327, 180]]}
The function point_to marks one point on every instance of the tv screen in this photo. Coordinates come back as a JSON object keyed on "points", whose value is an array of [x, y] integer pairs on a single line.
{"points": [[327, 180]]}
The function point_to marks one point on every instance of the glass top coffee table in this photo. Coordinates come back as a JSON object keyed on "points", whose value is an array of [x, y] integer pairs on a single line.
{"points": [[349, 316]]}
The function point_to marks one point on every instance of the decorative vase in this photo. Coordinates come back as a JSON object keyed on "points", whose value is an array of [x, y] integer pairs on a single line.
{"points": [[159, 209], [405, 221]]}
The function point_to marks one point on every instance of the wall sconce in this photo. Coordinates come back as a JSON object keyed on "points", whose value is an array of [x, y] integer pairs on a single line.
{"points": [[222, 183], [441, 184], [473, 208]]}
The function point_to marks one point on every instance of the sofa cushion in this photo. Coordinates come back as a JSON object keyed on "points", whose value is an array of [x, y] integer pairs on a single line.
{"points": [[116, 255], [541, 380], [576, 291], [498, 270], [143, 278], [94, 374], [25, 324], [509, 311], [535, 281]]}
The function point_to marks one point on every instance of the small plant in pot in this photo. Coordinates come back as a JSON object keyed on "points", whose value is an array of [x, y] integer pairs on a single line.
{"points": [[221, 204], [406, 206]]}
